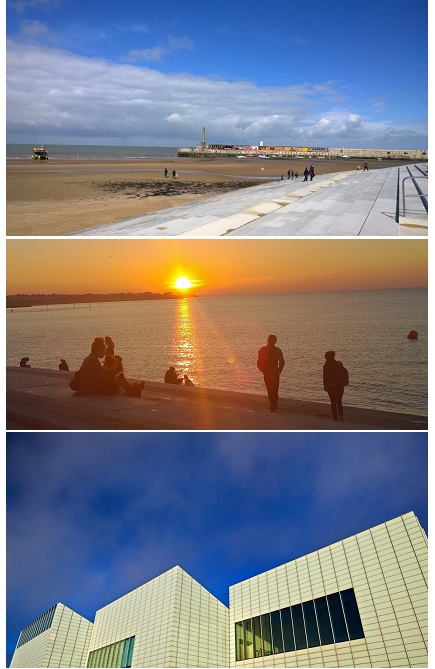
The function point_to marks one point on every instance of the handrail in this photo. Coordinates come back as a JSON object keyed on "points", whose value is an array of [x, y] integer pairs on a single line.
{"points": [[422, 196]]}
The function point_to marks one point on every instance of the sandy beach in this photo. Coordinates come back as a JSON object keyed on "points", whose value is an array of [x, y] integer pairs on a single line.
{"points": [[54, 197]]}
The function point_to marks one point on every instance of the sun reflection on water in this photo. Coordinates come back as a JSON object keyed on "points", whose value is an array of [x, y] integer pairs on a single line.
{"points": [[185, 350]]}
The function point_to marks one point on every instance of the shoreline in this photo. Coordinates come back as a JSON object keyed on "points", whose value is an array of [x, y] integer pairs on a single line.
{"points": [[55, 198]]}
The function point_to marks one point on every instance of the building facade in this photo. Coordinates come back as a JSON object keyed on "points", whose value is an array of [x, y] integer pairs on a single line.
{"points": [[58, 638], [361, 602]]}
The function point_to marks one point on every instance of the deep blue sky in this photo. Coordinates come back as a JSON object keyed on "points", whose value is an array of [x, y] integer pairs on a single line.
{"points": [[92, 516], [326, 73]]}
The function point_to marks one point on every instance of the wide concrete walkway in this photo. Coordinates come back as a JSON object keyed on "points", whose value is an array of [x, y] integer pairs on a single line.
{"points": [[339, 204], [40, 399]]}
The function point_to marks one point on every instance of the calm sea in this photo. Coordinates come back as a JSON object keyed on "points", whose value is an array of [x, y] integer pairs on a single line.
{"points": [[88, 152], [215, 341]]}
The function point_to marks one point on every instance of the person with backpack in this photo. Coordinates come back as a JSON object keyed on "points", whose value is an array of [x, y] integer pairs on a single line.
{"points": [[271, 362], [335, 377]]}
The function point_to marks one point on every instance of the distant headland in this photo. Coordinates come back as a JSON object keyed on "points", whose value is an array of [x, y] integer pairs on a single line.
{"points": [[21, 300]]}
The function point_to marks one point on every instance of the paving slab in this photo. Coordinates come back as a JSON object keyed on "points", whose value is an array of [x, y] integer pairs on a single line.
{"points": [[371, 200], [40, 399]]}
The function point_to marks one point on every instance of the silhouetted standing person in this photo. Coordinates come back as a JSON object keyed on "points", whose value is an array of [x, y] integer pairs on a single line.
{"points": [[288, 174], [306, 173], [271, 362], [311, 172], [335, 377], [174, 174], [166, 172]]}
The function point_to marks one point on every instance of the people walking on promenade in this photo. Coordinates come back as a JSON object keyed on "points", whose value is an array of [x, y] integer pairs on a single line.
{"points": [[306, 173], [335, 377], [311, 172], [271, 362], [366, 167], [292, 174], [288, 174]]}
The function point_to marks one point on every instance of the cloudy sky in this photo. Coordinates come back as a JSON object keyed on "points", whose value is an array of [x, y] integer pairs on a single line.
{"points": [[92, 516], [323, 73]]}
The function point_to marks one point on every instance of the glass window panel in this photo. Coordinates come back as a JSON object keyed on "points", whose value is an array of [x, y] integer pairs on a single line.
{"points": [[124, 654], [130, 651], [337, 618], [240, 646], [287, 630], [105, 653], [110, 656], [324, 621], [298, 626], [249, 643], [118, 655], [351, 612], [256, 631], [267, 634], [277, 644], [311, 624]]}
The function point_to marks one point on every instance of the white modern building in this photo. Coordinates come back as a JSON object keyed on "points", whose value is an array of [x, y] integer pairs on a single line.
{"points": [[361, 602]]}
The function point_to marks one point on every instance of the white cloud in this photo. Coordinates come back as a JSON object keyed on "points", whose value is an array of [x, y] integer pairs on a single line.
{"points": [[155, 54], [90, 100]]}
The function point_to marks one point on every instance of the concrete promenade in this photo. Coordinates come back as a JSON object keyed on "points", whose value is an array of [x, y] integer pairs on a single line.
{"points": [[40, 399], [340, 204]]}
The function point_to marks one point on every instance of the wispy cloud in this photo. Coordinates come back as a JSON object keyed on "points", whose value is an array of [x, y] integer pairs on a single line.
{"points": [[87, 98]]}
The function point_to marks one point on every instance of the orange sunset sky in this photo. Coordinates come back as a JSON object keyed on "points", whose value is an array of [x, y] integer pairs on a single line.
{"points": [[220, 266]]}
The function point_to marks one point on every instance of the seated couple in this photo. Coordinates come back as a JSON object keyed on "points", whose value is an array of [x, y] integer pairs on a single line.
{"points": [[171, 376], [108, 378]]}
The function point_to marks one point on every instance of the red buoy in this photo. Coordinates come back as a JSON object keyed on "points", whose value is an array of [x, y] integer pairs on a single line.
{"points": [[413, 334]]}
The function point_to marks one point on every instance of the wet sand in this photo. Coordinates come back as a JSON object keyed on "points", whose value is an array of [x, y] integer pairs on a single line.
{"points": [[51, 198]]}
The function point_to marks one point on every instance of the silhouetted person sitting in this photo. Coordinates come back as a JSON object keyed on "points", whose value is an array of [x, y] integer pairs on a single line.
{"points": [[24, 361], [271, 362], [335, 377], [171, 376], [91, 377], [110, 350], [188, 381], [114, 380], [63, 365]]}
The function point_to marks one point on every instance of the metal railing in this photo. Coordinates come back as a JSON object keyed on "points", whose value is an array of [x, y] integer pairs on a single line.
{"points": [[419, 194]]}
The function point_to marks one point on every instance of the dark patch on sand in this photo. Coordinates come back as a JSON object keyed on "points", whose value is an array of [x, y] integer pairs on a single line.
{"points": [[174, 187]]}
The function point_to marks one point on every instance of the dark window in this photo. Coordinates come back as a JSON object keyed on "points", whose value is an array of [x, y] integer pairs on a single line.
{"points": [[267, 635], [287, 630], [324, 621], [277, 644], [317, 622], [298, 625], [311, 624], [351, 612], [337, 617], [256, 631]]}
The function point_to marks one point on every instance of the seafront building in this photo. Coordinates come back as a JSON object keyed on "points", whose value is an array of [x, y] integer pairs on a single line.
{"points": [[359, 602]]}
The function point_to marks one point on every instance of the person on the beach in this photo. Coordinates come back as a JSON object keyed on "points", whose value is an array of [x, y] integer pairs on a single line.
{"points": [[171, 376], [187, 381], [306, 173], [271, 362], [311, 172], [335, 377], [24, 361], [166, 172], [174, 174], [63, 365], [366, 167]]}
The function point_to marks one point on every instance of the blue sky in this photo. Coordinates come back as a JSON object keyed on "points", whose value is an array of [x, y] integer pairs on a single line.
{"points": [[92, 516], [324, 73]]}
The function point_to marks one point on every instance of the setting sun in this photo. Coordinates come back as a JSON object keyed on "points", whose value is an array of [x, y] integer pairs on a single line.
{"points": [[183, 283]]}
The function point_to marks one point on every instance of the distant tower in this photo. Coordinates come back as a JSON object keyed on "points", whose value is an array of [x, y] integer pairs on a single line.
{"points": [[203, 142]]}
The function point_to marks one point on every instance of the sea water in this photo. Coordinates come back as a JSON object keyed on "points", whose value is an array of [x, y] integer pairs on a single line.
{"points": [[91, 152], [215, 340]]}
